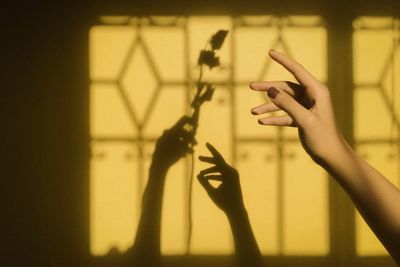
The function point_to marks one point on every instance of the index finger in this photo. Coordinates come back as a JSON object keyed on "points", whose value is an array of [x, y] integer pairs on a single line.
{"points": [[215, 153], [299, 72], [207, 159]]}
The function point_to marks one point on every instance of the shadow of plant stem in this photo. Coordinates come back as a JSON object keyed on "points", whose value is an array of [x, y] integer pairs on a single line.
{"points": [[205, 91]]}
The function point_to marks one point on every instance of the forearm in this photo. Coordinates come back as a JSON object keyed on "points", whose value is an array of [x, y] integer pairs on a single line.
{"points": [[246, 247], [376, 199], [148, 231]]}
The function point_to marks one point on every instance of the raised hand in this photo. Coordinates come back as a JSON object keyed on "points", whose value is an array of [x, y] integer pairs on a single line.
{"points": [[308, 106], [175, 143], [228, 195]]}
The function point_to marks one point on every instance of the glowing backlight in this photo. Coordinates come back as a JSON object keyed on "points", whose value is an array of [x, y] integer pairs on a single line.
{"points": [[143, 72]]}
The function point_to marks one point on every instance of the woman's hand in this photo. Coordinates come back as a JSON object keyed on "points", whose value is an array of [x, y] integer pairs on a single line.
{"points": [[228, 195], [308, 106]]}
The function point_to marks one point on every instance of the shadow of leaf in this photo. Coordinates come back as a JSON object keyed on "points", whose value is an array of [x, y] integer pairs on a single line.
{"points": [[208, 58], [218, 39]]}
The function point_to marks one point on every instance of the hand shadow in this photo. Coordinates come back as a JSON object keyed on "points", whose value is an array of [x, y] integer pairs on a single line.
{"points": [[228, 197], [174, 144]]}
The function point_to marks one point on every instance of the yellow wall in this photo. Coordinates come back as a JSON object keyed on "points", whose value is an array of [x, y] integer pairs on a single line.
{"points": [[142, 73]]}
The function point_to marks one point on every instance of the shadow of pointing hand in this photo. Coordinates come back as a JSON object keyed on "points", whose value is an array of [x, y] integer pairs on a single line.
{"points": [[175, 143], [227, 195]]}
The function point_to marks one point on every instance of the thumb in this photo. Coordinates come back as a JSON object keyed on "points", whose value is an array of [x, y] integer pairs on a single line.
{"points": [[206, 185], [287, 103]]}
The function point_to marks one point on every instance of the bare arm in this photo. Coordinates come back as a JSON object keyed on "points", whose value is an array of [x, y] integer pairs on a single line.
{"points": [[375, 197], [309, 108]]}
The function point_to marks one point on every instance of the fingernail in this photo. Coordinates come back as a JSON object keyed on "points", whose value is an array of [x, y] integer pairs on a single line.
{"points": [[272, 92], [253, 112], [251, 85], [260, 121]]}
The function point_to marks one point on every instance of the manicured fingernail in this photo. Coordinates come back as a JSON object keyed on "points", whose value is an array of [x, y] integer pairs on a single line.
{"points": [[272, 51], [253, 112], [272, 92], [260, 121]]}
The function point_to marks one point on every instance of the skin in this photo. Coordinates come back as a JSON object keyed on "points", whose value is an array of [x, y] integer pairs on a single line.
{"points": [[228, 197], [309, 108]]}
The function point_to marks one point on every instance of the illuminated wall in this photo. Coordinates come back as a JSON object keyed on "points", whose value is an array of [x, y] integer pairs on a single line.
{"points": [[142, 73]]}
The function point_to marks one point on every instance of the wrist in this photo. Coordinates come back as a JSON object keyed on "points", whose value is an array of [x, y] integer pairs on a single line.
{"points": [[339, 152], [331, 150], [237, 213], [158, 167], [157, 173], [341, 162]]}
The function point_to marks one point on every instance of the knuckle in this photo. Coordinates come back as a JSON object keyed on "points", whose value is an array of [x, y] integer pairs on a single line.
{"points": [[323, 91], [290, 83], [282, 99], [299, 66]]}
